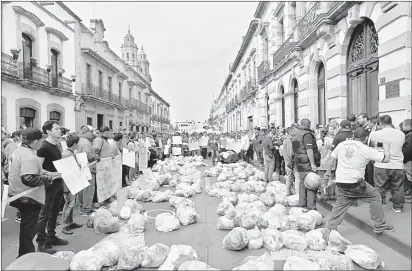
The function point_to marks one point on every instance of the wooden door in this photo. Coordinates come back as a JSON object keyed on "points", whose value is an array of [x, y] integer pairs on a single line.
{"points": [[321, 95]]}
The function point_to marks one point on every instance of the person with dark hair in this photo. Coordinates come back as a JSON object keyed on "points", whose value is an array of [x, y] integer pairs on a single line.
{"points": [[344, 133], [352, 156], [25, 173], [306, 159], [352, 119], [48, 153], [118, 139], [391, 173], [407, 157], [72, 142]]}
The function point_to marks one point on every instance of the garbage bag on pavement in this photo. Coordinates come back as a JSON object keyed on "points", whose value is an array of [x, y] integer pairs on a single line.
{"points": [[294, 240], [86, 260], [263, 262], [224, 206], [272, 219], [317, 215], [39, 261], [278, 209], [159, 197], [306, 222], [130, 257], [248, 221], [292, 200], [330, 261], [194, 265], [255, 239], [67, 255], [178, 254], [136, 223], [272, 239], [364, 256], [109, 251], [236, 239], [337, 242], [268, 199], [154, 256], [187, 215], [289, 222], [166, 222], [224, 223], [297, 211], [179, 201], [104, 222], [299, 263], [318, 239], [134, 206]]}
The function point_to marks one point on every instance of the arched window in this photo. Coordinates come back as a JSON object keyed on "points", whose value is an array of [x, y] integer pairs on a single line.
{"points": [[54, 115], [55, 68], [295, 101], [27, 116], [127, 56], [282, 92], [321, 95]]}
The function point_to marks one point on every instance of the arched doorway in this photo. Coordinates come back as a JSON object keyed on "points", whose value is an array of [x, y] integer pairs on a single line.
{"points": [[295, 100], [282, 109], [363, 69], [321, 95]]}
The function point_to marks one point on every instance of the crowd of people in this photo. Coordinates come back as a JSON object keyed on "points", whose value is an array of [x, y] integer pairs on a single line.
{"points": [[359, 158]]}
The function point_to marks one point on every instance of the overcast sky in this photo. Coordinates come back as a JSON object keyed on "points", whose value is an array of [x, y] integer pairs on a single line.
{"points": [[189, 45]]}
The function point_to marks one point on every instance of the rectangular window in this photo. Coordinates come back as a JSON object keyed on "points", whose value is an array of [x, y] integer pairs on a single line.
{"points": [[121, 123], [110, 84], [88, 74], [100, 79], [110, 124], [90, 121]]}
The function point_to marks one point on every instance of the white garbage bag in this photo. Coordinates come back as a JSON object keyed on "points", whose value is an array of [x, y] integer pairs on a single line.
{"points": [[194, 265], [263, 262], [268, 199], [318, 239], [130, 257], [109, 251], [67, 255], [86, 260], [297, 211], [272, 219], [187, 215], [294, 240], [272, 239], [159, 197], [306, 222], [134, 206], [224, 207], [299, 263], [255, 239], [289, 222], [224, 223], [259, 188], [278, 209], [230, 198], [257, 205], [236, 239], [179, 201], [248, 221], [178, 254], [166, 222], [337, 242], [154, 256], [292, 200], [241, 207], [125, 212], [104, 222], [317, 215], [330, 261], [364, 256], [136, 223]]}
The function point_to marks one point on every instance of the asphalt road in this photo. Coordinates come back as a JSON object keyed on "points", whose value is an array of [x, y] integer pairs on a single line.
{"points": [[203, 236]]}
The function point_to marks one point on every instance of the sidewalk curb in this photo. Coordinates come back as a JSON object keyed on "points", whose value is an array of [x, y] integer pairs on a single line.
{"points": [[392, 242]]}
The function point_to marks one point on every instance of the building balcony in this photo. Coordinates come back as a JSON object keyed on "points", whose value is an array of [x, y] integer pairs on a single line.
{"points": [[34, 77], [262, 69], [100, 94]]}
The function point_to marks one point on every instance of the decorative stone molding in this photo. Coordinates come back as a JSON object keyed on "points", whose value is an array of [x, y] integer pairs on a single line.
{"points": [[99, 59], [29, 15], [57, 33], [326, 32], [353, 15], [386, 6]]}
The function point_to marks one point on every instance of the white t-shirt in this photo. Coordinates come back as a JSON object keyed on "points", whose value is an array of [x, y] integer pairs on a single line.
{"points": [[396, 138], [353, 156]]}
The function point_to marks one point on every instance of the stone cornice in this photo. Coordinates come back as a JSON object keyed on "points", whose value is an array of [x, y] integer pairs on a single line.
{"points": [[29, 15], [63, 6], [52, 15], [261, 8], [99, 59], [279, 9], [57, 33], [122, 75]]}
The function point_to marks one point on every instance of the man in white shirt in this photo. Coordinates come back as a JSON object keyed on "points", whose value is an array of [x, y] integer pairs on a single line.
{"points": [[391, 173], [353, 156]]}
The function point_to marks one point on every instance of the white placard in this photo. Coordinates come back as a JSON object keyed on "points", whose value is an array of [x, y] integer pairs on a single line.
{"points": [[237, 147], [83, 161], [194, 146], [203, 142], [177, 140], [71, 174], [129, 158], [176, 151]]}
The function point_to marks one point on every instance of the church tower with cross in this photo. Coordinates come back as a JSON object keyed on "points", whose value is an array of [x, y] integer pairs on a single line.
{"points": [[135, 58]]}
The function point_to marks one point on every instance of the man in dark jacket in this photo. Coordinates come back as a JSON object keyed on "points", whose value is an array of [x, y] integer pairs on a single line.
{"points": [[407, 157], [344, 133], [306, 159], [260, 136], [352, 119]]}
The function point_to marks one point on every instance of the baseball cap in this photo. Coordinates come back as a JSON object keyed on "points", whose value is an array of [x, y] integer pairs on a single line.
{"points": [[104, 129], [31, 134], [345, 124], [360, 133]]}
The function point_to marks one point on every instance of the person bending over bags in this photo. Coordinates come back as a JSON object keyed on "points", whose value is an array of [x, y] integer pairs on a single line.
{"points": [[25, 173]]}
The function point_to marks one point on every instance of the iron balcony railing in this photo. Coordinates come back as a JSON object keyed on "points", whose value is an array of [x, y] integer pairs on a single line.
{"points": [[26, 71], [263, 68]]}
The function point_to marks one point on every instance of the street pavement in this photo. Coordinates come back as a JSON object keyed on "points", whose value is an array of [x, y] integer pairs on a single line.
{"points": [[203, 236]]}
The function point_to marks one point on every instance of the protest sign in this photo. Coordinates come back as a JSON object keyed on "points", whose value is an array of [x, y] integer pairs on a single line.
{"points": [[177, 140], [229, 145], [71, 174], [237, 147], [203, 142], [143, 158], [121, 198], [194, 146], [176, 151], [108, 177], [83, 161], [129, 158]]}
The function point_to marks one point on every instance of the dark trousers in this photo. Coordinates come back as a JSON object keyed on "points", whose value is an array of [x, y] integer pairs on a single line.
{"points": [[125, 172], [29, 217], [278, 162], [392, 178], [349, 193], [204, 153], [49, 213], [307, 197], [369, 174]]}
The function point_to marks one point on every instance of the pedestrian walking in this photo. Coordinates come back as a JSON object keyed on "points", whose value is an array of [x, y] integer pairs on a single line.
{"points": [[352, 157], [268, 156]]}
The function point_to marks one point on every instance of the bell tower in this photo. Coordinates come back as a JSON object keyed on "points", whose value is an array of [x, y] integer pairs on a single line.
{"points": [[144, 64], [130, 51]]}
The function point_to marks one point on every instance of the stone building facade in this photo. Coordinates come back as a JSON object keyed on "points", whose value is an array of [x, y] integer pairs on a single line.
{"points": [[325, 60]]}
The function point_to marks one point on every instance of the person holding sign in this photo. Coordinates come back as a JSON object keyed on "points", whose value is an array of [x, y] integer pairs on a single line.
{"points": [[70, 199], [25, 173]]}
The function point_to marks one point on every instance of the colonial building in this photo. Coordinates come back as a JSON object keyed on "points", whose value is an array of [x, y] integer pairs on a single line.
{"points": [[160, 113], [37, 64], [325, 60]]}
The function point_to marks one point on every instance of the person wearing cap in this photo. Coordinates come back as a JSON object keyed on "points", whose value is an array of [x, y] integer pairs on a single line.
{"points": [[48, 153], [344, 133], [391, 173], [85, 197], [25, 173], [306, 159], [352, 156]]}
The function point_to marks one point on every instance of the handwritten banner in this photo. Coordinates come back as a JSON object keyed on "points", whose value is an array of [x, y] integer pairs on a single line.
{"points": [[82, 160], [108, 177], [194, 146]]}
